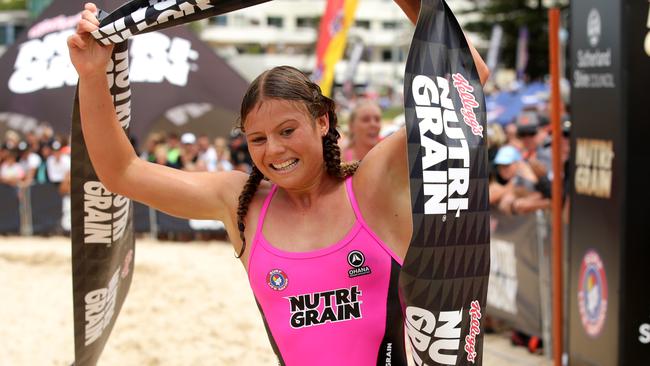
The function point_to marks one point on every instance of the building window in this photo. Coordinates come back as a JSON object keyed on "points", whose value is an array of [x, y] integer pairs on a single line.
{"points": [[276, 22], [386, 55], [3, 34], [363, 24], [220, 20], [389, 25], [306, 22]]}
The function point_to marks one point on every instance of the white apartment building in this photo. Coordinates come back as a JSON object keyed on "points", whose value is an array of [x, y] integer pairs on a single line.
{"points": [[286, 31]]}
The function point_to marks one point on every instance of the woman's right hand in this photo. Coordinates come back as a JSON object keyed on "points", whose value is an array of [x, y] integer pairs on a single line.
{"points": [[88, 56]]}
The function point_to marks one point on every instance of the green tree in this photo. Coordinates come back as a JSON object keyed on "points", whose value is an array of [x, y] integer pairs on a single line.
{"points": [[512, 15]]}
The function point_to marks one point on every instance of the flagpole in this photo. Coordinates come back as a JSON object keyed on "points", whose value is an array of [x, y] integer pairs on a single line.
{"points": [[556, 197]]}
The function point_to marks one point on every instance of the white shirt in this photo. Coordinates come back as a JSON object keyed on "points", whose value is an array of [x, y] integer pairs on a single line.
{"points": [[209, 157], [57, 168]]}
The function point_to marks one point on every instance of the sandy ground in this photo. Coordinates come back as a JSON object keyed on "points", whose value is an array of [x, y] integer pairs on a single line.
{"points": [[189, 304]]}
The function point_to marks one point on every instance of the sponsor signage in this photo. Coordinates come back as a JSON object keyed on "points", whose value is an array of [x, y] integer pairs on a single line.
{"points": [[608, 234], [445, 272]]}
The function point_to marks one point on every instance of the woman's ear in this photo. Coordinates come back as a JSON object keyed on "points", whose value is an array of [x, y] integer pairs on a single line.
{"points": [[323, 123]]}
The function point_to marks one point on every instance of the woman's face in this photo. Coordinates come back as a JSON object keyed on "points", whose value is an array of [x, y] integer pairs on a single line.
{"points": [[366, 125], [285, 142]]}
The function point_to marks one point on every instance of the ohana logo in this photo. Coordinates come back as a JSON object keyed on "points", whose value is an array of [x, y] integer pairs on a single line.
{"points": [[277, 280], [100, 308], [474, 330], [592, 293], [429, 338], [356, 259], [106, 214], [446, 187], [325, 307]]}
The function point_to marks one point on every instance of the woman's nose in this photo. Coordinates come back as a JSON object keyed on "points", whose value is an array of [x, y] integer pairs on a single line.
{"points": [[275, 146]]}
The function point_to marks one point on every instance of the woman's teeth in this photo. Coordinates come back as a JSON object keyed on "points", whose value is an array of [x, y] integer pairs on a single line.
{"points": [[286, 165]]}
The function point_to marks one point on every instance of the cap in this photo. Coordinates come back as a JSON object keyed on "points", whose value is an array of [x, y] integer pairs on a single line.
{"points": [[55, 145], [188, 138], [507, 155], [527, 123]]}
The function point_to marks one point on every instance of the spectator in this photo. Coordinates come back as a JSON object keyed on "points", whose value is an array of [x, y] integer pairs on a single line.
{"points": [[240, 157], [58, 164], [223, 155], [513, 188], [364, 128], [149, 153], [189, 159], [30, 161], [173, 150], [11, 172], [207, 154], [41, 175], [11, 139]]}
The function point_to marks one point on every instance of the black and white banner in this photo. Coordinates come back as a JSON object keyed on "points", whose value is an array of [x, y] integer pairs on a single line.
{"points": [[102, 222], [445, 273]]}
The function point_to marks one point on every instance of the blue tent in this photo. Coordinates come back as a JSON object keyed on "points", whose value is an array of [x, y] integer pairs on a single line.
{"points": [[504, 107]]}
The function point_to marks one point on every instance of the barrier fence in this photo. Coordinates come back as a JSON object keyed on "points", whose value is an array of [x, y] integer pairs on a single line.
{"points": [[519, 291], [41, 210]]}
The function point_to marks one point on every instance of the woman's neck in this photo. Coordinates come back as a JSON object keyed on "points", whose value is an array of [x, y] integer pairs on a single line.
{"points": [[306, 197]]}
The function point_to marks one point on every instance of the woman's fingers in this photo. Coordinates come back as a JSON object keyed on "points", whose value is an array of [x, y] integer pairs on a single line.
{"points": [[85, 26], [91, 7], [77, 41], [89, 16]]}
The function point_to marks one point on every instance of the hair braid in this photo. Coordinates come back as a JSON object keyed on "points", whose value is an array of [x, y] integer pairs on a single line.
{"points": [[244, 201], [332, 156]]}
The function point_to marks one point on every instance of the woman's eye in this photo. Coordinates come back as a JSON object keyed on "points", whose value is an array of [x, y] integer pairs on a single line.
{"points": [[258, 140], [287, 132]]}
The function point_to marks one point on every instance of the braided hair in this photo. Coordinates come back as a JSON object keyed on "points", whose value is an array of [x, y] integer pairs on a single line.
{"points": [[288, 83]]}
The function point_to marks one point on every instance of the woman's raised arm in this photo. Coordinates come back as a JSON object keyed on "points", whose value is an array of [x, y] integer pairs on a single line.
{"points": [[179, 193]]}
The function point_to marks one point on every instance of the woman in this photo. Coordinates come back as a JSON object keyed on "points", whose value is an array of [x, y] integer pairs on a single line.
{"points": [[364, 128], [322, 251]]}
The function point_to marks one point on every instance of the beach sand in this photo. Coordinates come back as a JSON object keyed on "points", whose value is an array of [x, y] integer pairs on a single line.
{"points": [[189, 304]]}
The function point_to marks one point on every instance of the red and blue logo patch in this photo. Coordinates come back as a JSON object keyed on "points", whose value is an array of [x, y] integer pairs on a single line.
{"points": [[277, 280], [592, 293]]}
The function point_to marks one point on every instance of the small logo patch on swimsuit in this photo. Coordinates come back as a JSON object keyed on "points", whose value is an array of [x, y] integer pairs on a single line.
{"points": [[356, 259], [277, 280]]}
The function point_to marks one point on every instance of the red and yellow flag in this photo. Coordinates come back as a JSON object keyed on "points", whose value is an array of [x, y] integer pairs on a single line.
{"points": [[332, 35]]}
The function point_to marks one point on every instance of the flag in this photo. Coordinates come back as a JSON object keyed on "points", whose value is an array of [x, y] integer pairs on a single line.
{"points": [[332, 36]]}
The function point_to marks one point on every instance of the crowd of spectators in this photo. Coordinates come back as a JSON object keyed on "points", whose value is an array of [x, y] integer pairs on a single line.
{"points": [[36, 157], [191, 153], [521, 165]]}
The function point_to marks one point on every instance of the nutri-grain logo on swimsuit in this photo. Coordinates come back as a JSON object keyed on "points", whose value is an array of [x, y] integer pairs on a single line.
{"points": [[319, 308], [277, 280]]}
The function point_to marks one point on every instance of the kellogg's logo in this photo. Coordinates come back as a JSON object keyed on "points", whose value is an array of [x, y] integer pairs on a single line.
{"points": [[474, 330], [468, 99]]}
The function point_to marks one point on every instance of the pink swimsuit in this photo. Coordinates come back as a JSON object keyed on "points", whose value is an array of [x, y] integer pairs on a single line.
{"points": [[338, 305]]}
